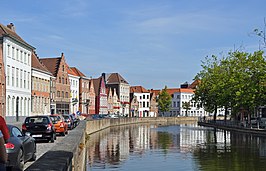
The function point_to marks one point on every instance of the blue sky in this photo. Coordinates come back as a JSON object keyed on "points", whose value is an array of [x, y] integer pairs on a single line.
{"points": [[151, 43]]}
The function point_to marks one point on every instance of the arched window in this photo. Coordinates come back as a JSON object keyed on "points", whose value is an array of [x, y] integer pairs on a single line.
{"points": [[29, 106], [25, 106], [13, 106], [8, 105]]}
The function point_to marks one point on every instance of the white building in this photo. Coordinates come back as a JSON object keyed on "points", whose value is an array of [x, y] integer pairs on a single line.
{"points": [[17, 62], [74, 91], [143, 100], [182, 96]]}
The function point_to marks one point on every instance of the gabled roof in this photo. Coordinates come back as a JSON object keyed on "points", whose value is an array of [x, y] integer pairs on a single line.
{"points": [[115, 78], [71, 72], [138, 89], [194, 84], [77, 72], [96, 83], [35, 63], [9, 32], [52, 64]]}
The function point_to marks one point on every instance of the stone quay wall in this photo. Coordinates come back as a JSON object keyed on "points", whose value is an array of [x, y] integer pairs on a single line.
{"points": [[70, 154]]}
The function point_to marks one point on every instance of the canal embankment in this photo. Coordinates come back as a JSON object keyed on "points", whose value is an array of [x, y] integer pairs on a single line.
{"points": [[232, 126], [70, 153]]}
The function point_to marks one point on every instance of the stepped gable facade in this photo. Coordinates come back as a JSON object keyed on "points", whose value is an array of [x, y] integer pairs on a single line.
{"points": [[58, 67], [122, 88]]}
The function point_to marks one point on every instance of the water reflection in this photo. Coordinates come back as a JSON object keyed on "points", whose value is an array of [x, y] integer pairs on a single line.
{"points": [[174, 147]]}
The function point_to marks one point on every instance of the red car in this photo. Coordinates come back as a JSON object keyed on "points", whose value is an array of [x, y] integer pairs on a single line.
{"points": [[60, 126]]}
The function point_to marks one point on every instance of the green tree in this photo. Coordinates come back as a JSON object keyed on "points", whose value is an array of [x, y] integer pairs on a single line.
{"points": [[164, 101], [237, 81], [186, 106]]}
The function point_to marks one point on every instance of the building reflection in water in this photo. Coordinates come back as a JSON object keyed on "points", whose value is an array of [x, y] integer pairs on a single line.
{"points": [[112, 147]]}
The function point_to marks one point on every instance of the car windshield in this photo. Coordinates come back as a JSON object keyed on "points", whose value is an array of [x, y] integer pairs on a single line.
{"points": [[54, 118], [36, 120]]}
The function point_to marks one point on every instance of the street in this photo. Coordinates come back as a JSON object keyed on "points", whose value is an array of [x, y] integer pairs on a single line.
{"points": [[43, 147]]}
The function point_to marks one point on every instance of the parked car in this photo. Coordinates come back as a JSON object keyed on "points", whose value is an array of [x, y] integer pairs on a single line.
{"points": [[69, 121], [39, 127], [75, 119], [59, 124], [20, 148]]}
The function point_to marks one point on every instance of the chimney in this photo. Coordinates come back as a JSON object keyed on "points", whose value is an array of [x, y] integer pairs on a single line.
{"points": [[11, 27]]}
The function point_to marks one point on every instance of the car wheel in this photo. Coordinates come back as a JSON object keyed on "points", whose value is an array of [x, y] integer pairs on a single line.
{"points": [[63, 133], [20, 164], [66, 131]]}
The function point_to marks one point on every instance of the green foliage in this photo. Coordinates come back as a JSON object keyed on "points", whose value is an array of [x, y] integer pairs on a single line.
{"points": [[236, 81], [186, 106], [164, 100]]}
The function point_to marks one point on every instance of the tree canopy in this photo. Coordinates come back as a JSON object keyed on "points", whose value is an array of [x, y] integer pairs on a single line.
{"points": [[164, 101], [237, 81]]}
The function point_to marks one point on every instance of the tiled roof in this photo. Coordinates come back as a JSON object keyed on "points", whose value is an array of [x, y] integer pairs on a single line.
{"points": [[172, 90], [194, 84], [115, 78], [138, 89], [35, 63], [156, 92], [71, 72], [186, 90], [6, 31], [52, 64], [77, 72], [96, 83]]}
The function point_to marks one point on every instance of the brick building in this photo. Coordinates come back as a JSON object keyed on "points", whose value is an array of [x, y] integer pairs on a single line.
{"points": [[58, 67]]}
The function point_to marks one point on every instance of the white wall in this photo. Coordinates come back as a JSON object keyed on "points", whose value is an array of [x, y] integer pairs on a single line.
{"points": [[17, 60]]}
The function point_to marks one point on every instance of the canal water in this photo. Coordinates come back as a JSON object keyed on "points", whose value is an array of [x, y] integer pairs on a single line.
{"points": [[184, 147]]}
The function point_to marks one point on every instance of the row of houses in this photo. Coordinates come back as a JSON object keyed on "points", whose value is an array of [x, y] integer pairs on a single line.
{"points": [[33, 85]]}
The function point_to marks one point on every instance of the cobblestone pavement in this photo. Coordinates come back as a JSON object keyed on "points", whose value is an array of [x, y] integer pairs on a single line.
{"points": [[43, 147]]}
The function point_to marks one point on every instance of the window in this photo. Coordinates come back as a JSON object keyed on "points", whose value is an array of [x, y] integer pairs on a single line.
{"points": [[58, 93], [7, 105], [24, 79], [28, 80], [8, 50], [17, 71], [25, 60], [13, 75], [66, 94], [28, 59], [17, 55], [21, 56], [148, 104], [8, 75], [21, 71], [13, 106], [13, 53], [63, 94], [59, 79], [143, 104], [63, 81], [143, 96]]}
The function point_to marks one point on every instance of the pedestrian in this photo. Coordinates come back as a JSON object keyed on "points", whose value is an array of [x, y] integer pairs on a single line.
{"points": [[3, 154], [4, 129]]}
